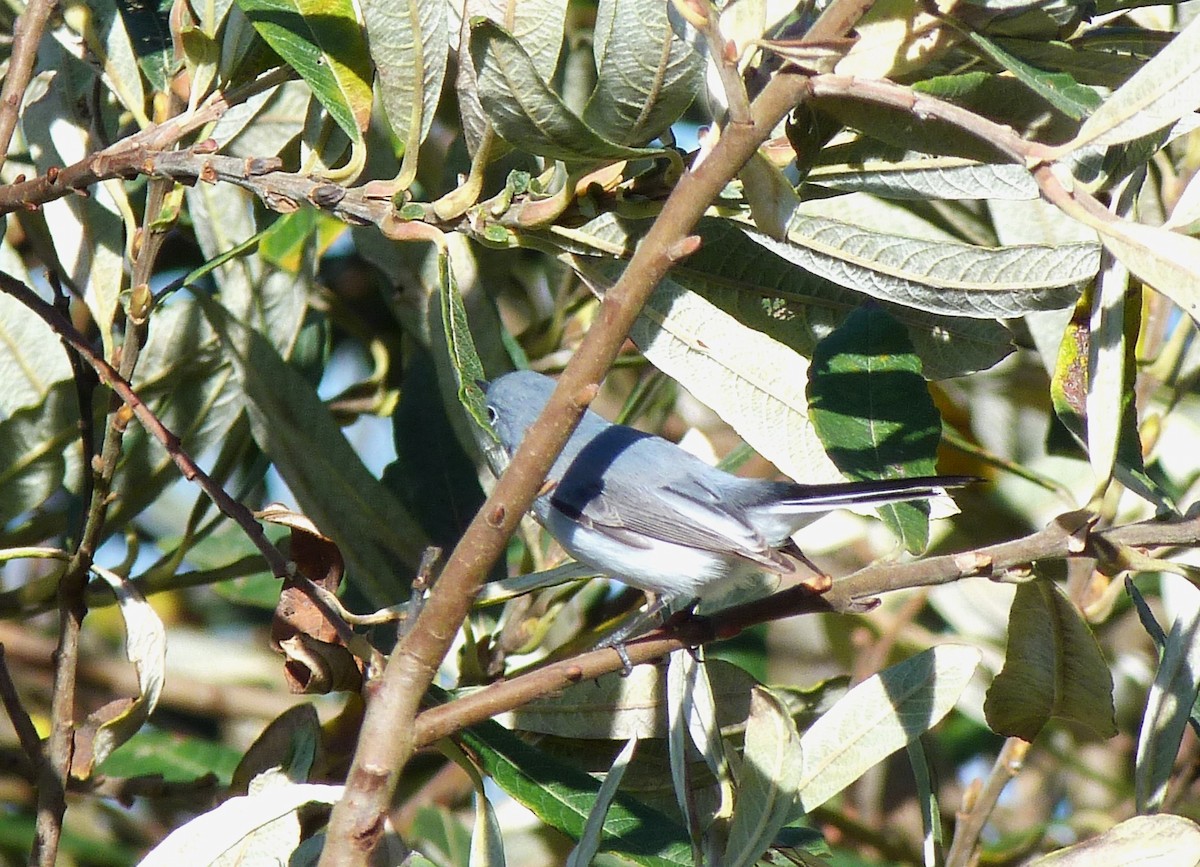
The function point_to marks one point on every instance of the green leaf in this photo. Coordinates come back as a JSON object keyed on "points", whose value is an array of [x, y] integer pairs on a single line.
{"points": [[39, 451], [89, 233], [919, 177], [149, 29], [175, 757], [32, 358], [872, 409], [879, 716], [378, 538], [234, 827], [562, 797], [1053, 667], [410, 45], [619, 707], [464, 358], [791, 305], [110, 40], [646, 76], [432, 476], [1162, 91], [189, 386], [752, 381], [525, 111], [539, 26], [589, 841], [1058, 88], [322, 41]]}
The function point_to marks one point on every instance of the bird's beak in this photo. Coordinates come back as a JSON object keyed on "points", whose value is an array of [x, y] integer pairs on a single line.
{"points": [[482, 385]]}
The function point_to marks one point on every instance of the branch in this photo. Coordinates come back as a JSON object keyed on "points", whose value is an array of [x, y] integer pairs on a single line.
{"points": [[27, 33], [1066, 537]]}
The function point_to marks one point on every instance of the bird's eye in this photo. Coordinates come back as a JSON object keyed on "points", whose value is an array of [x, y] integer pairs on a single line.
{"points": [[492, 415]]}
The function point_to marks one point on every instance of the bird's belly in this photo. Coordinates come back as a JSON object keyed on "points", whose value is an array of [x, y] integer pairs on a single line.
{"points": [[650, 564]]}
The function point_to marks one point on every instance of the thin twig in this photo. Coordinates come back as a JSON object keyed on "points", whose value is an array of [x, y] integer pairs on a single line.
{"points": [[27, 33], [970, 823], [188, 467], [27, 734]]}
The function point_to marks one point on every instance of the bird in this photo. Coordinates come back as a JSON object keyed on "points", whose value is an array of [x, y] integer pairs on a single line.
{"points": [[639, 508]]}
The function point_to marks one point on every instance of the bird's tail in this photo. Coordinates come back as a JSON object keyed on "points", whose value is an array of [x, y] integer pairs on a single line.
{"points": [[875, 492], [796, 505]]}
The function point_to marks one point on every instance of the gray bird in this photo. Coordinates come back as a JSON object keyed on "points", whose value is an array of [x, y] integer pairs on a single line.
{"points": [[641, 509]]}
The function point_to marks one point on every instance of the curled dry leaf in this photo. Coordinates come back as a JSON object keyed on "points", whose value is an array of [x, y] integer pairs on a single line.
{"points": [[304, 630]]}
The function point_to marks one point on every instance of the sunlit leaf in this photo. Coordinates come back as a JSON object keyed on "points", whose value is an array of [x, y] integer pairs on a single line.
{"points": [[878, 717], [523, 108], [1160, 93], [1147, 841], [646, 76], [323, 42]]}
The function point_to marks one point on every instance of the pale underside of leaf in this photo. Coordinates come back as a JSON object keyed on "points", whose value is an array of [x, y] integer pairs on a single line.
{"points": [[940, 277], [646, 76], [949, 178], [410, 46], [1160, 93], [878, 717]]}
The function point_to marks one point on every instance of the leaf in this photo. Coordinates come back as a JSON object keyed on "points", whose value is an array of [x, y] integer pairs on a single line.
{"points": [[1059, 89], [290, 424], [646, 76], [619, 707], [525, 111], [1169, 703], [89, 233], [879, 716], [464, 358], [32, 358], [1145, 841], [1053, 667], [174, 757], [537, 24], [212, 834], [1160, 93], [146, 648], [432, 476], [589, 841], [753, 382], [872, 409], [185, 381], [562, 797], [772, 763], [940, 277], [409, 45], [1110, 380], [266, 123], [919, 177], [39, 452], [150, 32], [110, 41], [1167, 261], [322, 41], [791, 305]]}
